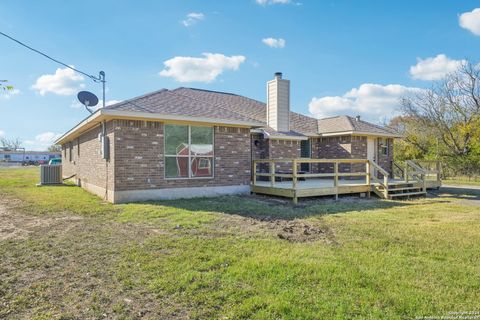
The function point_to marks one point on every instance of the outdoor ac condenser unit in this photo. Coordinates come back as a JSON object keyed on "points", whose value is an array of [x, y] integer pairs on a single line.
{"points": [[50, 174]]}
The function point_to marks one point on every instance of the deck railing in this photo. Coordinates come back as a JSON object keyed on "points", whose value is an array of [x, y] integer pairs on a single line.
{"points": [[383, 183], [291, 171]]}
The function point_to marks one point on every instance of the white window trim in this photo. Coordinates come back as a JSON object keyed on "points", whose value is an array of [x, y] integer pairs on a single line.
{"points": [[165, 155]]}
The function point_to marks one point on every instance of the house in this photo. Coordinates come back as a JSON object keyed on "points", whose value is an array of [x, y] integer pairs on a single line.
{"points": [[190, 142]]}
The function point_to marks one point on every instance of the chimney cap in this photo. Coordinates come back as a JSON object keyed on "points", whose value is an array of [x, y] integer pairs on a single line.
{"points": [[278, 75]]}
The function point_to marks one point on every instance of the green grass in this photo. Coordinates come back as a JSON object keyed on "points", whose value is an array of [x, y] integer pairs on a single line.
{"points": [[223, 258]]}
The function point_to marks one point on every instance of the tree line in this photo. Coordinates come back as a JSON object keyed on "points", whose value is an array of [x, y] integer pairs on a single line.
{"points": [[443, 123]]}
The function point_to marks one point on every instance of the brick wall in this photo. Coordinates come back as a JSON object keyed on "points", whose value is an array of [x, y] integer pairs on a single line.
{"points": [[283, 149], [332, 148], [86, 161], [139, 162]]}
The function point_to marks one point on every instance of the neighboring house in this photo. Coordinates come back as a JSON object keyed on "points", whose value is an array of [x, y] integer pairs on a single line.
{"points": [[191, 142], [35, 157]]}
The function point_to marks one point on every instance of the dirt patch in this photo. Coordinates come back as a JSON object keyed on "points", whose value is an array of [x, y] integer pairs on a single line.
{"points": [[20, 226], [298, 231]]}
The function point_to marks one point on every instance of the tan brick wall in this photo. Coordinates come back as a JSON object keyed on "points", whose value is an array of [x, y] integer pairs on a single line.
{"points": [[86, 161], [139, 162]]}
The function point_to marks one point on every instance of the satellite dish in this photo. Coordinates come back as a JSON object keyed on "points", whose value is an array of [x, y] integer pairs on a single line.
{"points": [[88, 99]]}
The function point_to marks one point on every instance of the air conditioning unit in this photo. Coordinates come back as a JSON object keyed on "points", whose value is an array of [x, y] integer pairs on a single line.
{"points": [[50, 174]]}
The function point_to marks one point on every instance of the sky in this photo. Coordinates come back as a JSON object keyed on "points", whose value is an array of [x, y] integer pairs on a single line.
{"points": [[342, 57]]}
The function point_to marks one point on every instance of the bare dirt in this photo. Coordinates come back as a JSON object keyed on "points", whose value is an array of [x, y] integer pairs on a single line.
{"points": [[14, 225]]}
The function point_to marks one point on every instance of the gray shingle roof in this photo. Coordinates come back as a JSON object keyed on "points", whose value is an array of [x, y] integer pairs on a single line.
{"points": [[221, 105], [347, 124]]}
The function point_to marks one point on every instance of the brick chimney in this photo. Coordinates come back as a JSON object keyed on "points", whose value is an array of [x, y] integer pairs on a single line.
{"points": [[278, 103]]}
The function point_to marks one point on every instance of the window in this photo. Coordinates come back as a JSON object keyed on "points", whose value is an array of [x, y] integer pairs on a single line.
{"points": [[70, 155], [383, 146], [188, 151], [78, 147]]}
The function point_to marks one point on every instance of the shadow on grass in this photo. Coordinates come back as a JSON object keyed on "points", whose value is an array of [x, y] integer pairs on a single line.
{"points": [[272, 208], [463, 192]]}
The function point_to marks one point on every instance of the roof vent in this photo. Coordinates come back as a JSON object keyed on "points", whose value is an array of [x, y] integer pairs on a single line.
{"points": [[357, 118], [278, 75]]}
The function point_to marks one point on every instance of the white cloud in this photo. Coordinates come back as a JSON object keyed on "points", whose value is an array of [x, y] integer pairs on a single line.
{"points": [[274, 43], [76, 104], [64, 82], [192, 18], [265, 2], [42, 141], [434, 68], [373, 101], [206, 69], [2, 133], [471, 21]]}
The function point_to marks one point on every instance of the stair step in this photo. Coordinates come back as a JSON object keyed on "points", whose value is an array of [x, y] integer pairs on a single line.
{"points": [[403, 189], [406, 194]]}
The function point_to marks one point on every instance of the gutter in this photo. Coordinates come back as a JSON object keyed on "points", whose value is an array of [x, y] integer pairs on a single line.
{"points": [[109, 114]]}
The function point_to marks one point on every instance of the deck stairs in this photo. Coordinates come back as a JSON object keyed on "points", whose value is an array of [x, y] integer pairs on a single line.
{"points": [[399, 190], [409, 180]]}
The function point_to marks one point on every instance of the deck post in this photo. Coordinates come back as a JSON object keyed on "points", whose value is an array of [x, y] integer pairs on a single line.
{"points": [[385, 182], [272, 173], [406, 172], [367, 177], [335, 179], [254, 171], [294, 174], [424, 177], [439, 169]]}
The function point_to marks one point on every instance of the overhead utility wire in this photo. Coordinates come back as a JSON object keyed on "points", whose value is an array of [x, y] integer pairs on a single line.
{"points": [[96, 79]]}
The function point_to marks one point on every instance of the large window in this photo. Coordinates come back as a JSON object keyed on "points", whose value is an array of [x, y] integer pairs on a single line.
{"points": [[188, 151]]}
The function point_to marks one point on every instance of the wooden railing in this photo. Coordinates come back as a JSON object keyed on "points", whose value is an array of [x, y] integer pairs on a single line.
{"points": [[382, 192], [294, 174], [397, 171], [432, 168]]}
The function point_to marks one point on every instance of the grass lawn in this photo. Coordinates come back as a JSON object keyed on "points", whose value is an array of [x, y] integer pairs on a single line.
{"points": [[65, 254]]}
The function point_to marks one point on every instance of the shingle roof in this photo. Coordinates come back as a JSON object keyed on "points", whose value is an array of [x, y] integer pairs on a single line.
{"points": [[168, 102], [299, 124], [351, 124], [222, 105]]}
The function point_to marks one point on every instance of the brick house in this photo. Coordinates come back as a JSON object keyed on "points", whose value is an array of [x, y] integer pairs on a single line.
{"points": [[190, 142]]}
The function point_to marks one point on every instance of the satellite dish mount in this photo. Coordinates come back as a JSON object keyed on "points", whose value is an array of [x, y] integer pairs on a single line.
{"points": [[88, 99]]}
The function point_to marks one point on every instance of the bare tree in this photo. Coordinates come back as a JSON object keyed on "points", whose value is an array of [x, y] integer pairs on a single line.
{"points": [[11, 144], [450, 110]]}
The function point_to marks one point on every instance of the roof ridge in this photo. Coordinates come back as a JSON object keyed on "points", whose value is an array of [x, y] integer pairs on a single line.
{"points": [[349, 122], [371, 124]]}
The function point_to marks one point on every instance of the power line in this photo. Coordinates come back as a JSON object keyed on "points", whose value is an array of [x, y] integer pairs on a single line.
{"points": [[96, 79]]}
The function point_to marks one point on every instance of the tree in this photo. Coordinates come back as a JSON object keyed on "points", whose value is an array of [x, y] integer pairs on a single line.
{"points": [[4, 86], [54, 148], [444, 121], [10, 144]]}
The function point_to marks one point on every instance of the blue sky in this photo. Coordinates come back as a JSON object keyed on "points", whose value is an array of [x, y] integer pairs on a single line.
{"points": [[342, 57]]}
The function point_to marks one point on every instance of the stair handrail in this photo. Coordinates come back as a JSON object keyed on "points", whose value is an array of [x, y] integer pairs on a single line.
{"points": [[385, 174], [397, 167], [418, 173]]}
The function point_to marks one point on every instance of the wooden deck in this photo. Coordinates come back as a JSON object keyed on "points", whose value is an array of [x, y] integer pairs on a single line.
{"points": [[295, 184]]}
